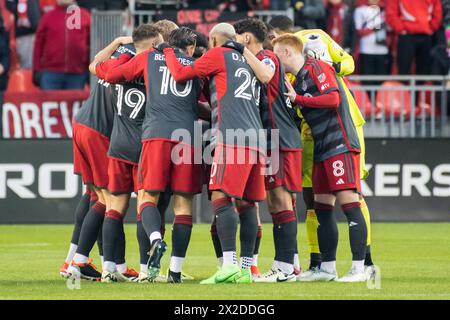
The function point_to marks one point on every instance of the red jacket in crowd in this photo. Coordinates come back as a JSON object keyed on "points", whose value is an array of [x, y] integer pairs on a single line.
{"points": [[414, 16], [62, 41]]}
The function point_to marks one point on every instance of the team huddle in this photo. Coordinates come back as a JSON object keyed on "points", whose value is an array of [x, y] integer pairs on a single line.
{"points": [[255, 112]]}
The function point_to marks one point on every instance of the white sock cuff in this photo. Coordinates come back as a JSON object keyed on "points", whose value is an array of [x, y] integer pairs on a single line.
{"points": [[155, 235]]}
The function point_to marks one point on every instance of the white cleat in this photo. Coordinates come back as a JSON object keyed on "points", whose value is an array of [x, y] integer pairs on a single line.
{"points": [[116, 276], [275, 275], [317, 274], [73, 272], [143, 277], [353, 276]]}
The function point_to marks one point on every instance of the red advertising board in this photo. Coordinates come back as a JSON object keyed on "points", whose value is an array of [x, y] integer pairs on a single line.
{"points": [[40, 115]]}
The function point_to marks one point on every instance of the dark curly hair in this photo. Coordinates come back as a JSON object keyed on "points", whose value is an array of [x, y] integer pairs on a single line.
{"points": [[254, 26]]}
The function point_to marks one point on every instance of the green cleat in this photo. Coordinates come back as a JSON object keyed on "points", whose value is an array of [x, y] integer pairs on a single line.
{"points": [[245, 276], [226, 274]]}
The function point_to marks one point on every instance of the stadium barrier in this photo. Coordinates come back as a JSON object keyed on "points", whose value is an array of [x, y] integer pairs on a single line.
{"points": [[403, 106], [407, 182]]}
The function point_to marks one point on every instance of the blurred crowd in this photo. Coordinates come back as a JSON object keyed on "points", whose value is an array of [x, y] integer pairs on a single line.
{"points": [[384, 36]]}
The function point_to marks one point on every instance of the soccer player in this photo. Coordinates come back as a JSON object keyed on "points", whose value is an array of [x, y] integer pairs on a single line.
{"points": [[167, 156], [320, 45], [336, 156], [236, 167], [125, 147], [92, 128], [281, 186]]}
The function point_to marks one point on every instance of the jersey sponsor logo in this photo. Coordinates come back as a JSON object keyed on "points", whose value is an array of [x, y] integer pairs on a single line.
{"points": [[322, 77], [325, 86]]}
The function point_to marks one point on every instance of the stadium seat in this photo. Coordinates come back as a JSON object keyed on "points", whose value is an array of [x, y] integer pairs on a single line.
{"points": [[394, 101], [362, 99], [20, 80]]}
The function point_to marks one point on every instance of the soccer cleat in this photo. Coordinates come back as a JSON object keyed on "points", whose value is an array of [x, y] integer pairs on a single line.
{"points": [[317, 274], [63, 270], [354, 276], [131, 274], [154, 261], [307, 273], [226, 274], [143, 277], [245, 276], [275, 275], [255, 271], [184, 276], [212, 279], [86, 271], [174, 277]]}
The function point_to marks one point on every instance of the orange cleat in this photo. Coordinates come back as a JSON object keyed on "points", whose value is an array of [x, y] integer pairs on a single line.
{"points": [[131, 274], [63, 270]]}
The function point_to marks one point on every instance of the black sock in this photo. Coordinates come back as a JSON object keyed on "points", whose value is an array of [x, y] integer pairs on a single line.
{"points": [[143, 241], [215, 239], [249, 229], [120, 246], [314, 260], [80, 212], [327, 231], [258, 240], [112, 227], [357, 230], [163, 204], [368, 260], [151, 218], [181, 235], [90, 229], [285, 235], [226, 223], [100, 240]]}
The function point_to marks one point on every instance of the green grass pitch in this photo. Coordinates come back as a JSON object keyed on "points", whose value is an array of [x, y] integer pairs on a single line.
{"points": [[414, 260]]}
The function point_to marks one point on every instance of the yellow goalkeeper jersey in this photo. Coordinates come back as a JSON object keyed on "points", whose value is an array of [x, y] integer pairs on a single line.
{"points": [[344, 63]]}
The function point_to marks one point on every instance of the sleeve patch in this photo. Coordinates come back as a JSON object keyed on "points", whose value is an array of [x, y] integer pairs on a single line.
{"points": [[269, 62]]}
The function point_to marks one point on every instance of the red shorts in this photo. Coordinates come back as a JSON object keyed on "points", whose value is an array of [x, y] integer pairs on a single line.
{"points": [[289, 173], [238, 179], [340, 172], [90, 159], [123, 176], [157, 170]]}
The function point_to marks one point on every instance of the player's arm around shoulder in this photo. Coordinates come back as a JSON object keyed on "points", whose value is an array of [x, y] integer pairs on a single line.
{"points": [[264, 69]]}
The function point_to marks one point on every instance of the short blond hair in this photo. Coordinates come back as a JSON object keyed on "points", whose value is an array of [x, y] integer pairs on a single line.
{"points": [[289, 40], [165, 28]]}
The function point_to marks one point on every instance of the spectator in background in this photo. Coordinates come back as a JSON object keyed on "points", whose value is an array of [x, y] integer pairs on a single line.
{"points": [[414, 22], [309, 14], [26, 15], [440, 62], [370, 25], [47, 5], [339, 24], [103, 4], [4, 64], [61, 52], [278, 4]]}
